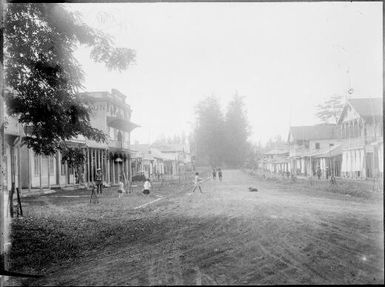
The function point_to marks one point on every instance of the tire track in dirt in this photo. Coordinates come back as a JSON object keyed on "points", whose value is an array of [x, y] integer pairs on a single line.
{"points": [[164, 264]]}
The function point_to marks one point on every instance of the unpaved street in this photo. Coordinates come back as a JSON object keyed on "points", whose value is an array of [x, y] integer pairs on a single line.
{"points": [[228, 235]]}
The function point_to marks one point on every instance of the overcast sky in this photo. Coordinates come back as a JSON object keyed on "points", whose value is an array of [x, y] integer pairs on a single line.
{"points": [[284, 58]]}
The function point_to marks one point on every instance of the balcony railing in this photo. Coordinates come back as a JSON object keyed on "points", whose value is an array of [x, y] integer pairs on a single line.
{"points": [[119, 144]]}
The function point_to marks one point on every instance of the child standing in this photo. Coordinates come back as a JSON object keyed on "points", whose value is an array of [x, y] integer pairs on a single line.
{"points": [[121, 187], [197, 182], [214, 174], [220, 174], [146, 186]]}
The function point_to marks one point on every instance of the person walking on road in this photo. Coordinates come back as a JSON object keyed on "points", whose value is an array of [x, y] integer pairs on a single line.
{"points": [[197, 182], [99, 181], [220, 174], [214, 174]]}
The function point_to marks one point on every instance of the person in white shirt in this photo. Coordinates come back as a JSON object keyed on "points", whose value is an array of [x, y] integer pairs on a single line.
{"points": [[146, 186], [197, 182]]}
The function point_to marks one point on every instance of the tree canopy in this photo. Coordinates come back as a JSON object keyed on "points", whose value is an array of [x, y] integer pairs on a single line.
{"points": [[237, 133], [330, 110], [209, 133], [221, 139], [43, 75]]}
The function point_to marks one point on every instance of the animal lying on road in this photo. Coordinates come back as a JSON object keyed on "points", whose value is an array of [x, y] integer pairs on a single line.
{"points": [[252, 188]]}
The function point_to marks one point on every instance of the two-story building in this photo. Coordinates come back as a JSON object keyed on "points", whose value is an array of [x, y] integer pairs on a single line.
{"points": [[309, 146], [110, 114], [276, 160], [13, 133], [361, 128]]}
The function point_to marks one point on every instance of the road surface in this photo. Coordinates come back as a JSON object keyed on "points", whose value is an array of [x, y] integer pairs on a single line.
{"points": [[228, 235]]}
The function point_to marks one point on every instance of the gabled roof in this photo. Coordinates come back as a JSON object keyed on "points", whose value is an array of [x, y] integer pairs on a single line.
{"points": [[277, 151], [149, 152], [367, 108], [316, 132], [171, 147]]}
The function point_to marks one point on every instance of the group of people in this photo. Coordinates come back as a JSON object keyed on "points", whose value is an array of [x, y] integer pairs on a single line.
{"points": [[121, 189], [215, 171], [147, 184]]}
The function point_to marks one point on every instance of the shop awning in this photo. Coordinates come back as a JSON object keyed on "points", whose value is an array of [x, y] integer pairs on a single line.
{"points": [[121, 124]]}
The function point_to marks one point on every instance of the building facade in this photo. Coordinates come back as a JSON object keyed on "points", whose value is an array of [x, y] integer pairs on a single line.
{"points": [[309, 147], [110, 114], [361, 128]]}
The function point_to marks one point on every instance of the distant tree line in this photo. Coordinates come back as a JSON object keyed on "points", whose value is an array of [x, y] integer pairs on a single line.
{"points": [[221, 138]]}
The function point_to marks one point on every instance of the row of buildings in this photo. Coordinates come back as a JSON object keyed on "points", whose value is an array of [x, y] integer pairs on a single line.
{"points": [[351, 148], [116, 157], [161, 160]]}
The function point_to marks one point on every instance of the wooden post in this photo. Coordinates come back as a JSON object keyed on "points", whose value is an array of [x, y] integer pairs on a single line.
{"points": [[12, 191], [29, 169], [19, 166], [97, 158], [84, 179], [40, 169], [92, 164], [88, 166], [49, 173], [58, 168], [108, 167], [19, 201], [113, 171]]}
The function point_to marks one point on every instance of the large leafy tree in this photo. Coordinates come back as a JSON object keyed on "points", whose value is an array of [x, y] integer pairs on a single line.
{"points": [[330, 110], [237, 131], [44, 77]]}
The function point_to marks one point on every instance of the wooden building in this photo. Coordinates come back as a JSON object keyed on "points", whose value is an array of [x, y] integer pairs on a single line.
{"points": [[111, 114], [308, 143], [361, 128]]}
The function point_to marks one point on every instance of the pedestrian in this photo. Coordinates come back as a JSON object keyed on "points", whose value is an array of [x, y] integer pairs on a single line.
{"points": [[220, 174], [214, 174], [146, 186], [197, 182], [121, 187], [99, 181]]}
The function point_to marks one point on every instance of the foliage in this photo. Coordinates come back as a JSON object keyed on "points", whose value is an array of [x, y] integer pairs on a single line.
{"points": [[74, 156], [330, 110], [220, 139], [176, 139], [43, 75], [237, 132], [209, 132]]}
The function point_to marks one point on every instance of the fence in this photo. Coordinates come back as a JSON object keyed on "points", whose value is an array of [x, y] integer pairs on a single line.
{"points": [[341, 185]]}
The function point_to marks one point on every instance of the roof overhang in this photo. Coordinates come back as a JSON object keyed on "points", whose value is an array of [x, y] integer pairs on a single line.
{"points": [[121, 124]]}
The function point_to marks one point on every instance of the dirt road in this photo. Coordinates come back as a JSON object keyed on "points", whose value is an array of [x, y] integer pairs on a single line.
{"points": [[228, 235]]}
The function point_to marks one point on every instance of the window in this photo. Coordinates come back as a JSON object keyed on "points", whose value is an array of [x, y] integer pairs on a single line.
{"points": [[330, 145], [317, 146], [36, 165]]}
